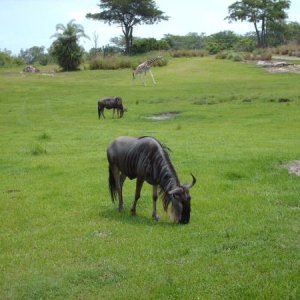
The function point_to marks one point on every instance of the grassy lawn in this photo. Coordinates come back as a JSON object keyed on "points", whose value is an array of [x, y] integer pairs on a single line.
{"points": [[62, 238]]}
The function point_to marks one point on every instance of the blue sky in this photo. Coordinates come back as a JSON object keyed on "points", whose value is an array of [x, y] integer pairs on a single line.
{"points": [[28, 23]]}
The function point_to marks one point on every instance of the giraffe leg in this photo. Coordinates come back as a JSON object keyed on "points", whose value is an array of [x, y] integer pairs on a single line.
{"points": [[154, 82], [143, 76]]}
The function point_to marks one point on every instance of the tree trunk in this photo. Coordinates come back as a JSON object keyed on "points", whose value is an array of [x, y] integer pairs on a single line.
{"points": [[263, 33], [127, 31], [257, 36]]}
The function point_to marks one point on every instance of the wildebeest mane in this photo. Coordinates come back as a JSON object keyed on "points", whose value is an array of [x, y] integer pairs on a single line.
{"points": [[166, 172]]}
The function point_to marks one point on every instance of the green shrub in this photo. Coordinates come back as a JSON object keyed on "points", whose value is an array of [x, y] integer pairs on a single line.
{"points": [[221, 55], [6, 59], [188, 53], [258, 55], [110, 63], [234, 56]]}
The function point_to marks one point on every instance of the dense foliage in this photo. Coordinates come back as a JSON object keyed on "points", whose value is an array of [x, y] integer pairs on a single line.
{"points": [[34, 54], [6, 59], [267, 16]]}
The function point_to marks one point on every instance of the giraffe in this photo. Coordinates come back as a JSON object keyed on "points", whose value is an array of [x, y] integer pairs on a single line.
{"points": [[144, 67]]}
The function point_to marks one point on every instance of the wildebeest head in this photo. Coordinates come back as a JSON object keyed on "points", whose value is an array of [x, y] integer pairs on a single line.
{"points": [[181, 203]]}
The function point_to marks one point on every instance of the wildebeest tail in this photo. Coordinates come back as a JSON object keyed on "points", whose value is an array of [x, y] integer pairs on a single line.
{"points": [[99, 111], [112, 185]]}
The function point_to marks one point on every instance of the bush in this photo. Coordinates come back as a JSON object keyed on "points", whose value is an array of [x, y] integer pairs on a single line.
{"points": [[188, 53], [234, 56], [150, 44], [221, 55], [290, 49], [258, 55], [110, 63], [7, 60]]}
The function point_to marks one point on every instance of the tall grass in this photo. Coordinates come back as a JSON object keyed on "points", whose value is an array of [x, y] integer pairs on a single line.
{"points": [[115, 62], [188, 53], [110, 62], [61, 237]]}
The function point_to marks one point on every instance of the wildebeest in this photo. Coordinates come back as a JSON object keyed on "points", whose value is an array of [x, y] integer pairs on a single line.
{"points": [[146, 159], [114, 103]]}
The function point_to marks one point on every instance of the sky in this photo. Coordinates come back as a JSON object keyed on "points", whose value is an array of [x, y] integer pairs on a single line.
{"points": [[28, 23]]}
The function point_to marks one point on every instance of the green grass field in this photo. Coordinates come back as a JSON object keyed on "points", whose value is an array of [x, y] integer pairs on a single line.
{"points": [[62, 238]]}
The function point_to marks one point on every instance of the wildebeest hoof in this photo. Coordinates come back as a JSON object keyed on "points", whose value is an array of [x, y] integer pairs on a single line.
{"points": [[133, 212], [155, 217], [121, 208]]}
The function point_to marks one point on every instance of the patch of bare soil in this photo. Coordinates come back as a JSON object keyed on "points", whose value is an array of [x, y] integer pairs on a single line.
{"points": [[293, 167], [163, 116], [279, 67]]}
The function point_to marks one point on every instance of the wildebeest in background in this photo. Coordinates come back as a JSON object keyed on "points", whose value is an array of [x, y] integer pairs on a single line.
{"points": [[114, 103], [146, 159]]}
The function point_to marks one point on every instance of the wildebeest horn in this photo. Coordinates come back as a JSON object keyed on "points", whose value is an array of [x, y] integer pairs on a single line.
{"points": [[188, 186], [176, 190]]}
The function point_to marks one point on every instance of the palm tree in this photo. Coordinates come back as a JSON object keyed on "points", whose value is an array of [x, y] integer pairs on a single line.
{"points": [[66, 48]]}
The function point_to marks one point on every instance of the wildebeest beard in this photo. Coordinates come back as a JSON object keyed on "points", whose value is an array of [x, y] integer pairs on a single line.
{"points": [[185, 214]]}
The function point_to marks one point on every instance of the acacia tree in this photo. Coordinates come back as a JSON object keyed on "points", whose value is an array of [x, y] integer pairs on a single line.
{"points": [[264, 14], [66, 48], [128, 13]]}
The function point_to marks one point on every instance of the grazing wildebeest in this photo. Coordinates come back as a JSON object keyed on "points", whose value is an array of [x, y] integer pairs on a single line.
{"points": [[114, 103], [146, 159]]}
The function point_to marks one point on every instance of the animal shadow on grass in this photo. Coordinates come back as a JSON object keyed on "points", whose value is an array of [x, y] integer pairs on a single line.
{"points": [[126, 217]]}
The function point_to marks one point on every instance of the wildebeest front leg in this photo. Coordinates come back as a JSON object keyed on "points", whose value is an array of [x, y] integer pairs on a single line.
{"points": [[139, 184], [155, 196]]}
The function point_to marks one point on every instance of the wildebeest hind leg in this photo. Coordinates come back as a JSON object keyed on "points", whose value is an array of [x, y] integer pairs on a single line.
{"points": [[119, 181], [155, 196], [139, 184]]}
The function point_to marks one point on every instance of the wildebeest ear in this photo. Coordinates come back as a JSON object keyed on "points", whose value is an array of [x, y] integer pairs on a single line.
{"points": [[178, 189]]}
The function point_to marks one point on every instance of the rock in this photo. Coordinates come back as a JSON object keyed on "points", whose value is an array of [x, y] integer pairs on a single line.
{"points": [[31, 69]]}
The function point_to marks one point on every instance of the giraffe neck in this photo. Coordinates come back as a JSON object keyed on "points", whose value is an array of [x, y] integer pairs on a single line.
{"points": [[153, 60], [146, 65]]}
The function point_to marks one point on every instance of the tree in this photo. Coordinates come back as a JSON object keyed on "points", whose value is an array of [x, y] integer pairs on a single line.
{"points": [[223, 40], [264, 14], [190, 41], [128, 13], [66, 48], [34, 54], [292, 32], [143, 45]]}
